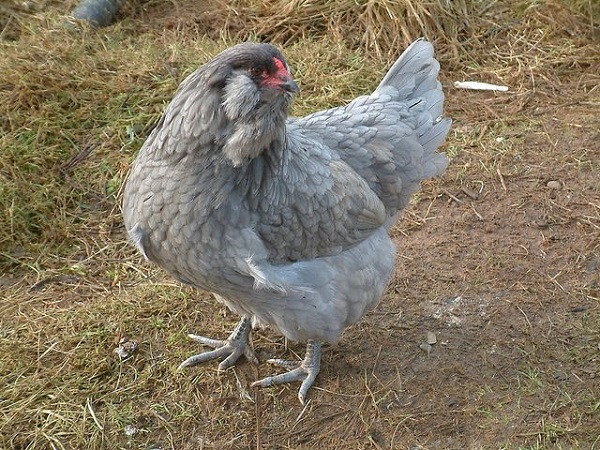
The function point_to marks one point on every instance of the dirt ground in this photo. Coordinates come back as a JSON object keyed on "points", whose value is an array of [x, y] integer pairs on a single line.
{"points": [[488, 336]]}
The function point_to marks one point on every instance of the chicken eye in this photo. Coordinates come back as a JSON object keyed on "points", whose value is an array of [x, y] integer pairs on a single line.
{"points": [[255, 71]]}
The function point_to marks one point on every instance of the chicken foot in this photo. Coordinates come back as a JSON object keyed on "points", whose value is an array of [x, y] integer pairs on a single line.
{"points": [[236, 345], [305, 370]]}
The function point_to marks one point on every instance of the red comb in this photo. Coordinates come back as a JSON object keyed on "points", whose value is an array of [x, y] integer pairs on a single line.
{"points": [[279, 64]]}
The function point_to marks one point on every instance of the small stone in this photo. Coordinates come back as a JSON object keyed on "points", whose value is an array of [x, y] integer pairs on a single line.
{"points": [[130, 430], [126, 348], [156, 447], [431, 338], [451, 402], [553, 184], [425, 347]]}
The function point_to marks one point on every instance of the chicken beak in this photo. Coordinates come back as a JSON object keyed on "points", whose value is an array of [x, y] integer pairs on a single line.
{"points": [[289, 85]]}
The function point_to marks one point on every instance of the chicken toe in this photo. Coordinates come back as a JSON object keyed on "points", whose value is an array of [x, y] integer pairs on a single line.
{"points": [[236, 345], [305, 370]]}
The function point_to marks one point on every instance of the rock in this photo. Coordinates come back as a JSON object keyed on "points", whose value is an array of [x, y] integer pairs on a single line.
{"points": [[425, 347], [126, 348], [431, 338], [452, 402], [553, 184], [130, 430]]}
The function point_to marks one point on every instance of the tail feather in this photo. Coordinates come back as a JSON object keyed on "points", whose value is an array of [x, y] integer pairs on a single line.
{"points": [[415, 72], [414, 76], [391, 148], [435, 163], [434, 137]]}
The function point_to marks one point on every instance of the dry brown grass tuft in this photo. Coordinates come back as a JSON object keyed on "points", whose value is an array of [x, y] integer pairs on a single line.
{"points": [[380, 28]]}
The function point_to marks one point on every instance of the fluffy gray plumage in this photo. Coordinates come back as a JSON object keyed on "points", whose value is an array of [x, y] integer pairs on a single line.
{"points": [[285, 219]]}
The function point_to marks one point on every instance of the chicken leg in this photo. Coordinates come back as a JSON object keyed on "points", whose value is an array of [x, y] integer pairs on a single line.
{"points": [[236, 345], [305, 370]]}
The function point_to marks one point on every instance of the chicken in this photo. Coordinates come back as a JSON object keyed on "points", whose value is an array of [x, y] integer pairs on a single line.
{"points": [[286, 220]]}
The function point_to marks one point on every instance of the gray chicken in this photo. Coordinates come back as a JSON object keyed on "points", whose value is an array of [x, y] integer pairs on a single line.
{"points": [[286, 220]]}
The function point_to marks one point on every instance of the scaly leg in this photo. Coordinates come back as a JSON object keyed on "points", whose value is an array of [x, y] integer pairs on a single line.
{"points": [[236, 345], [305, 370]]}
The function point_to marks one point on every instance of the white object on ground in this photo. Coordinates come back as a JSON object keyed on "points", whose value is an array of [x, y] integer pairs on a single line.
{"points": [[478, 86]]}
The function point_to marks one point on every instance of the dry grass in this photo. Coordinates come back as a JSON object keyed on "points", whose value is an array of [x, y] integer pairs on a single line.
{"points": [[378, 27], [504, 270]]}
